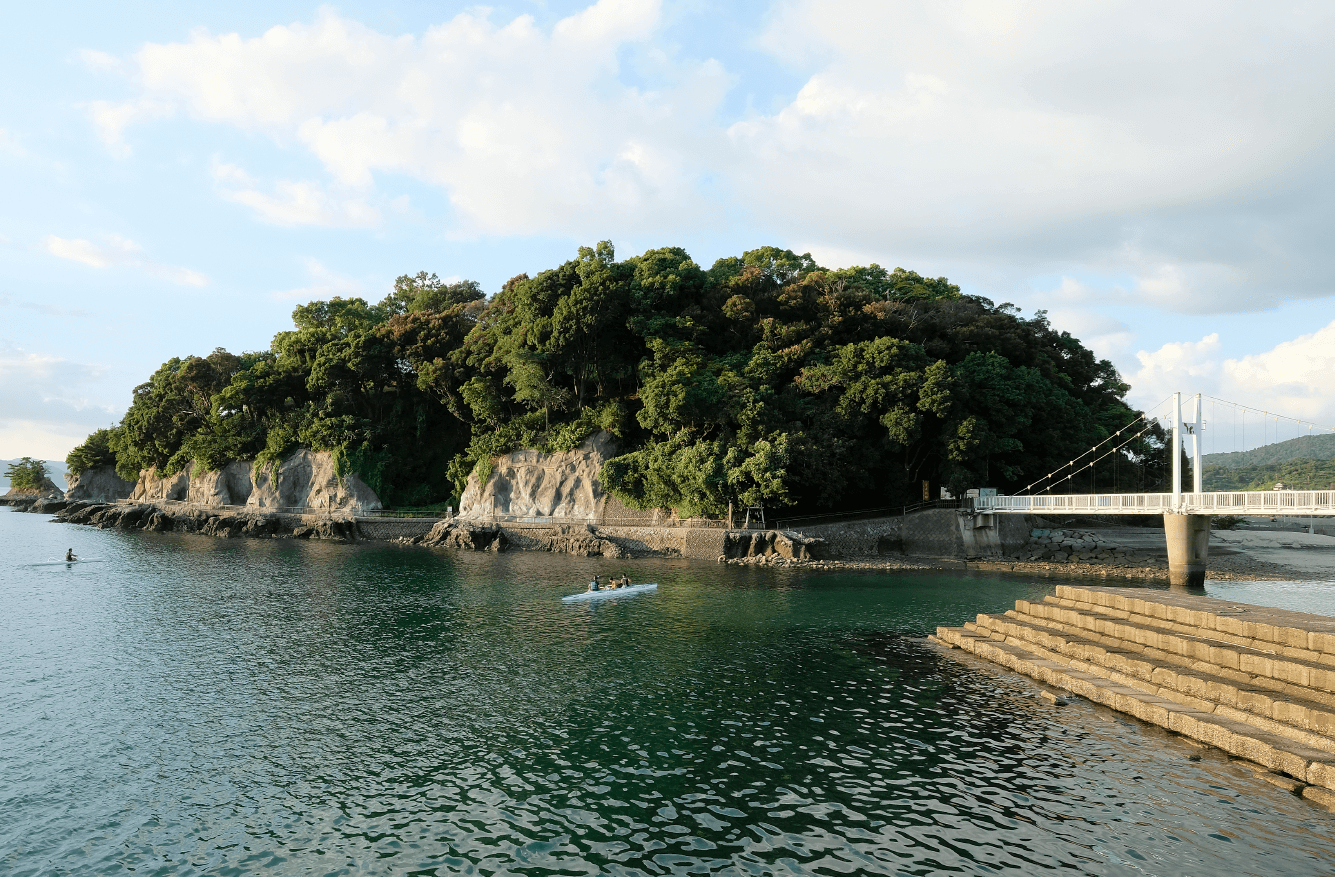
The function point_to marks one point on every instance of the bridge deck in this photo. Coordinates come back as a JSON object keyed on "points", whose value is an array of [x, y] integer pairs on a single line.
{"points": [[1248, 502]]}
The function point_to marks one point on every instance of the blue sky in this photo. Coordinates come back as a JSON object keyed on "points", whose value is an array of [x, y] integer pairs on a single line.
{"points": [[176, 177]]}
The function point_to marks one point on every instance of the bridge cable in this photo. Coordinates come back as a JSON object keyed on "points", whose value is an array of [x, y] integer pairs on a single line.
{"points": [[1141, 416], [1267, 414]]}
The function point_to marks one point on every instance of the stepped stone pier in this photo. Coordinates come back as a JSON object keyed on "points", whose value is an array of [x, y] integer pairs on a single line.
{"points": [[1255, 682]]}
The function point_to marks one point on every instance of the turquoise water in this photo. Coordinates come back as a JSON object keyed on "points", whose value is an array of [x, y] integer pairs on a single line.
{"points": [[186, 705]]}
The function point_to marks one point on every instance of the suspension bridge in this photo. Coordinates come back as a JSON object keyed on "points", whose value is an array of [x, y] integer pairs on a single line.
{"points": [[1186, 513]]}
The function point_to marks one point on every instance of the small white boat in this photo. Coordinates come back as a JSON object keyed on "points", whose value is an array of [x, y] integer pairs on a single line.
{"points": [[611, 592], [67, 562]]}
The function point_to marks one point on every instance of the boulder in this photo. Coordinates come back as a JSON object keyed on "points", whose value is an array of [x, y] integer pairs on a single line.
{"points": [[581, 540], [771, 543], [462, 534], [328, 530]]}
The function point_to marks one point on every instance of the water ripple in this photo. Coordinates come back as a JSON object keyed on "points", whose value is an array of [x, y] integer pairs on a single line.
{"points": [[203, 706]]}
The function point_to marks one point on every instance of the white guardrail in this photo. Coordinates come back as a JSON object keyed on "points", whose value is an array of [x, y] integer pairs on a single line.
{"points": [[1250, 502]]}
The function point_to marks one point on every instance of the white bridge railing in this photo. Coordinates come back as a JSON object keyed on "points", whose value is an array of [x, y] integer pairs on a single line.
{"points": [[1249, 502]]}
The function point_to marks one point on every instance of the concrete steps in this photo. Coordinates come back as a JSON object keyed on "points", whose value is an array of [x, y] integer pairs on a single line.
{"points": [[1258, 683]]}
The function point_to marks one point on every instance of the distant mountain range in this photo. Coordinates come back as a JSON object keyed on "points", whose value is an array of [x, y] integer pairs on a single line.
{"points": [[1316, 447], [55, 470]]}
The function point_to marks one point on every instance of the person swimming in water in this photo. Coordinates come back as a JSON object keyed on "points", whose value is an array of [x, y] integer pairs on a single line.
{"points": [[70, 556]]}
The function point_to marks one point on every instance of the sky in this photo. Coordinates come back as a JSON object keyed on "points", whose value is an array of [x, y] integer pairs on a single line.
{"points": [[1159, 178]]}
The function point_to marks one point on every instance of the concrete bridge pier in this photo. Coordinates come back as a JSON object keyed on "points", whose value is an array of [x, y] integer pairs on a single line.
{"points": [[1188, 549]]}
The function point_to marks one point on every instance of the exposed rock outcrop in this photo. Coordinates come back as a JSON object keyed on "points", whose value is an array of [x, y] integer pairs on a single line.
{"points": [[770, 543], [584, 541], [97, 485], [307, 479], [46, 497], [462, 534], [147, 516], [531, 484]]}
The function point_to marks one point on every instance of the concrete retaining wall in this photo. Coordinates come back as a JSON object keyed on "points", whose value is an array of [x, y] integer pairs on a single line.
{"points": [[858, 538], [928, 533]]}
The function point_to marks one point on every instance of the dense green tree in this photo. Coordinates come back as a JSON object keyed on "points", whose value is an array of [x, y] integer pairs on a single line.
{"points": [[765, 379], [93, 453], [26, 474]]}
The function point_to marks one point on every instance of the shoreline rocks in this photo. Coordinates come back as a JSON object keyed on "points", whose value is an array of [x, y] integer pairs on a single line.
{"points": [[1092, 560], [222, 524]]}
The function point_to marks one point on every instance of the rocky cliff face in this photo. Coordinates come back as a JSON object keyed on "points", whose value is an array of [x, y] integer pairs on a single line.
{"points": [[97, 485], [306, 479], [530, 484]]}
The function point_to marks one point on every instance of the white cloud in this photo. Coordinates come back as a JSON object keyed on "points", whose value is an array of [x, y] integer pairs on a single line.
{"points": [[304, 203], [101, 61], [119, 251], [325, 284], [529, 130], [1181, 152], [1107, 336], [1183, 144], [1292, 379], [44, 409], [110, 120]]}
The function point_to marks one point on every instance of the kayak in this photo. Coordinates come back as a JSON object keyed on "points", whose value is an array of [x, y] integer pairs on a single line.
{"points": [[66, 562], [611, 592]]}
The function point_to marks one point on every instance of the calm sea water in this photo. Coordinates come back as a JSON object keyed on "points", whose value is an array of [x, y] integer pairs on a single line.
{"points": [[186, 705]]}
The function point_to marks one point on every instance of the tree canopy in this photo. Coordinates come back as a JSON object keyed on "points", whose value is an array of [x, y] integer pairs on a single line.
{"points": [[764, 379], [26, 474]]}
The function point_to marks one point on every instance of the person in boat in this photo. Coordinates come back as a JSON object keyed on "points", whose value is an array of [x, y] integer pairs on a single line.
{"points": [[594, 586], [625, 581], [70, 556]]}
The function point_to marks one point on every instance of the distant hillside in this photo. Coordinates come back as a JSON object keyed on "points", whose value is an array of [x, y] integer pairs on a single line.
{"points": [[1294, 474], [54, 470], [1316, 447]]}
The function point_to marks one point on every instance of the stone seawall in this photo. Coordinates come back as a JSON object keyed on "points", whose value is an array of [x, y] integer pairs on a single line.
{"points": [[928, 533], [389, 529]]}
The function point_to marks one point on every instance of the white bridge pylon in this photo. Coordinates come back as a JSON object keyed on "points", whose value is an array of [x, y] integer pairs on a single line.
{"points": [[1303, 503]]}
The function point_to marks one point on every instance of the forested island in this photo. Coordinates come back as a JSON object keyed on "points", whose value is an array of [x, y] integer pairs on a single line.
{"points": [[764, 379]]}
